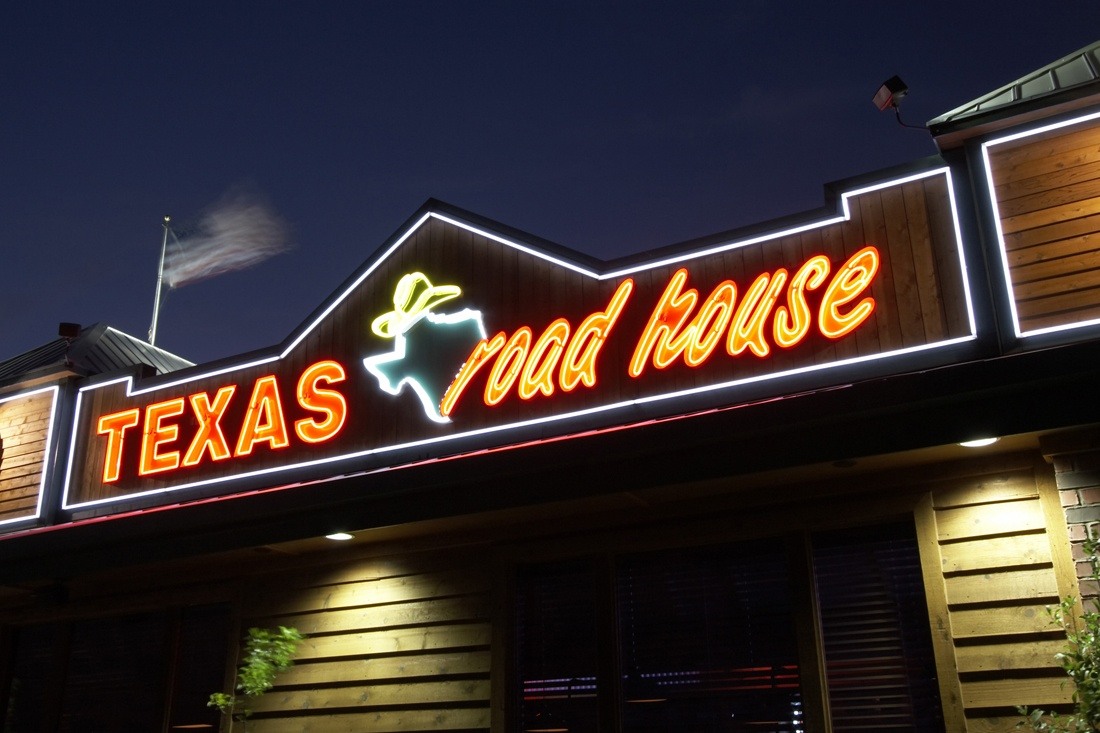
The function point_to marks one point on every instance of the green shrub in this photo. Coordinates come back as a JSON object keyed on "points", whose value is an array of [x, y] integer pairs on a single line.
{"points": [[1080, 660], [267, 652]]}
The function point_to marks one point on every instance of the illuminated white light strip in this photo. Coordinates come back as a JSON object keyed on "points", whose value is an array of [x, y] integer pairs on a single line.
{"points": [[845, 215], [366, 273], [1044, 128], [1001, 241], [963, 271], [549, 418], [528, 423], [47, 446], [521, 247], [373, 363], [1002, 247]]}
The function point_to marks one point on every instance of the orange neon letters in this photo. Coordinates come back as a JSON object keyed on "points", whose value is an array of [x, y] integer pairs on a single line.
{"points": [[792, 321], [484, 350], [507, 366], [264, 422], [662, 335], [538, 370], [327, 402], [209, 437], [579, 363], [157, 434], [114, 426], [850, 280], [574, 357], [672, 333], [747, 330]]}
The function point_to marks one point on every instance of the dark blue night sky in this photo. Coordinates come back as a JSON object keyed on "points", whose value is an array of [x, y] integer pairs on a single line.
{"points": [[610, 129]]}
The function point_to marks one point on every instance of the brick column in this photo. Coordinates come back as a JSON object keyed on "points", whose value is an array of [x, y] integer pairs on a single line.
{"points": [[1075, 456]]}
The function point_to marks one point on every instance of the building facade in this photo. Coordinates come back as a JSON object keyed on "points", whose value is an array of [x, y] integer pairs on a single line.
{"points": [[714, 487]]}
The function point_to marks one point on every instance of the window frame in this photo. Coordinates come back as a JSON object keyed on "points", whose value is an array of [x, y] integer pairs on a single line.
{"points": [[603, 566]]}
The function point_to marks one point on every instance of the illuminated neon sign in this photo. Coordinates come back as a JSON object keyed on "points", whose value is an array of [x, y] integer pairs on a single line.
{"points": [[456, 332], [572, 357], [672, 333], [264, 426], [439, 341]]}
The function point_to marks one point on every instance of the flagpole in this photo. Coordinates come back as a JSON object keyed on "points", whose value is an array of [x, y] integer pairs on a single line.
{"points": [[160, 280]]}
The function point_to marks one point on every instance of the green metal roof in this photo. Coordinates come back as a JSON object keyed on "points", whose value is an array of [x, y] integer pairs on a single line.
{"points": [[98, 349], [1070, 77]]}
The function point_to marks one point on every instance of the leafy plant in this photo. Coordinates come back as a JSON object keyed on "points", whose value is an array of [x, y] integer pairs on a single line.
{"points": [[1081, 661], [267, 652]]}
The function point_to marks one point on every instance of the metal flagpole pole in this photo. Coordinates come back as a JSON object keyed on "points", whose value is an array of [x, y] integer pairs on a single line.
{"points": [[160, 280]]}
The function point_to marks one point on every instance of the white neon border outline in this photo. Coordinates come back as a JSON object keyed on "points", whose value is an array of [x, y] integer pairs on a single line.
{"points": [[371, 363], [844, 216], [1003, 249], [46, 450]]}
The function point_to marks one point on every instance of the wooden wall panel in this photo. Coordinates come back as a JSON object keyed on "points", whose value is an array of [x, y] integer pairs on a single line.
{"points": [[1047, 189], [393, 645], [995, 555], [24, 427]]}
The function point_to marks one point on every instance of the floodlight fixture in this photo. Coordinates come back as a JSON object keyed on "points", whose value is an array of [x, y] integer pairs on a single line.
{"points": [[890, 94]]}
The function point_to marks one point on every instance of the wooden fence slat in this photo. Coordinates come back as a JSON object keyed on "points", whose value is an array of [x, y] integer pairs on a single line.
{"points": [[1002, 586], [1044, 153], [1053, 232], [432, 611], [1042, 691], [1024, 619], [1056, 253], [989, 519], [375, 668], [995, 657], [973, 490], [393, 642], [997, 552], [399, 693], [371, 592], [378, 722], [1078, 172]]}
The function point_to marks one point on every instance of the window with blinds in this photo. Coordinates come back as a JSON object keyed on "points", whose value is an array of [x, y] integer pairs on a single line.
{"points": [[125, 674], [705, 639], [878, 649], [556, 616]]}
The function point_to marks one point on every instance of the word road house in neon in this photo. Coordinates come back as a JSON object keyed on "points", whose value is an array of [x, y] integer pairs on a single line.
{"points": [[470, 339]]}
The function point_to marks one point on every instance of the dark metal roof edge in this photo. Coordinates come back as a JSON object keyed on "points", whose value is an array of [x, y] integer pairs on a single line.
{"points": [[970, 114], [99, 349]]}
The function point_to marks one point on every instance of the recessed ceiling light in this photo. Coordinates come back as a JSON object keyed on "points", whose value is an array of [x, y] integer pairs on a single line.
{"points": [[339, 536], [979, 443]]}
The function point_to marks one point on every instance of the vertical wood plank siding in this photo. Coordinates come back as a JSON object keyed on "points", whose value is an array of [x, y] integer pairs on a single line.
{"points": [[396, 645], [994, 555], [1048, 196], [23, 426]]}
